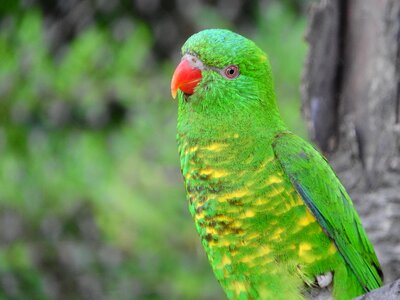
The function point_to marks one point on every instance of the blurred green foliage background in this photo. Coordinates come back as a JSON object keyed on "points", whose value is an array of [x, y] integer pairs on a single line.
{"points": [[92, 204]]}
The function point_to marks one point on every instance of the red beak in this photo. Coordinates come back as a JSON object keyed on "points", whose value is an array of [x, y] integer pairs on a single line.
{"points": [[186, 77]]}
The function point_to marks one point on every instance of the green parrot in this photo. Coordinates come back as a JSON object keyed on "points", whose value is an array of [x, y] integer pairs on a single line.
{"points": [[272, 215]]}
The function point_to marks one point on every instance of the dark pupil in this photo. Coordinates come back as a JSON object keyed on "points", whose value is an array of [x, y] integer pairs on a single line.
{"points": [[231, 71]]}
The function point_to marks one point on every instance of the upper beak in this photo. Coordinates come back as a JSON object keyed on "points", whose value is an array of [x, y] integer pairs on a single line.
{"points": [[186, 77]]}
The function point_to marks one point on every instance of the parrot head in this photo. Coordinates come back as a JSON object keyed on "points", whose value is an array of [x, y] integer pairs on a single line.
{"points": [[224, 85], [224, 72]]}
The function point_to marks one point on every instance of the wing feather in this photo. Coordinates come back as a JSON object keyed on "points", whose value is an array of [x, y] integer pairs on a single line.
{"points": [[327, 199]]}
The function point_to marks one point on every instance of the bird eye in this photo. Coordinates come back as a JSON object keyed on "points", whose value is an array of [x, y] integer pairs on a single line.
{"points": [[231, 71]]}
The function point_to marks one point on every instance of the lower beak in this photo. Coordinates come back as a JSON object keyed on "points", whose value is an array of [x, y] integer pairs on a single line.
{"points": [[185, 78]]}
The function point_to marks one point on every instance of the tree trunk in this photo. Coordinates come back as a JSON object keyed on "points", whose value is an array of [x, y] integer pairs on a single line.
{"points": [[351, 100]]}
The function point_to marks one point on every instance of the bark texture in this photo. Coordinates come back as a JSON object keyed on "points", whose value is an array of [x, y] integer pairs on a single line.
{"points": [[351, 101], [388, 292]]}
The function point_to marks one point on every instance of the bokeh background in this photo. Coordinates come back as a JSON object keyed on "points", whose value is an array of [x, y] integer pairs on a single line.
{"points": [[92, 203]]}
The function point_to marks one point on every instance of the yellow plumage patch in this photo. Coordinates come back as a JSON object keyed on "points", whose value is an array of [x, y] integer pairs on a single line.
{"points": [[226, 260], [249, 213], [223, 218], [191, 149], [332, 248], [199, 216], [263, 58], [263, 250], [221, 243], [304, 248], [215, 147], [235, 194], [273, 179], [277, 233], [276, 191], [247, 259], [260, 201], [239, 287], [214, 173], [307, 219], [252, 235], [211, 230]]}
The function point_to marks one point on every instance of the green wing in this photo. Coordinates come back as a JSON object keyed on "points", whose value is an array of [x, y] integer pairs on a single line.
{"points": [[327, 199]]}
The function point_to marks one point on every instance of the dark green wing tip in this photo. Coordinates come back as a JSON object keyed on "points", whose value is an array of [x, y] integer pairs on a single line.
{"points": [[378, 270], [380, 273]]}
